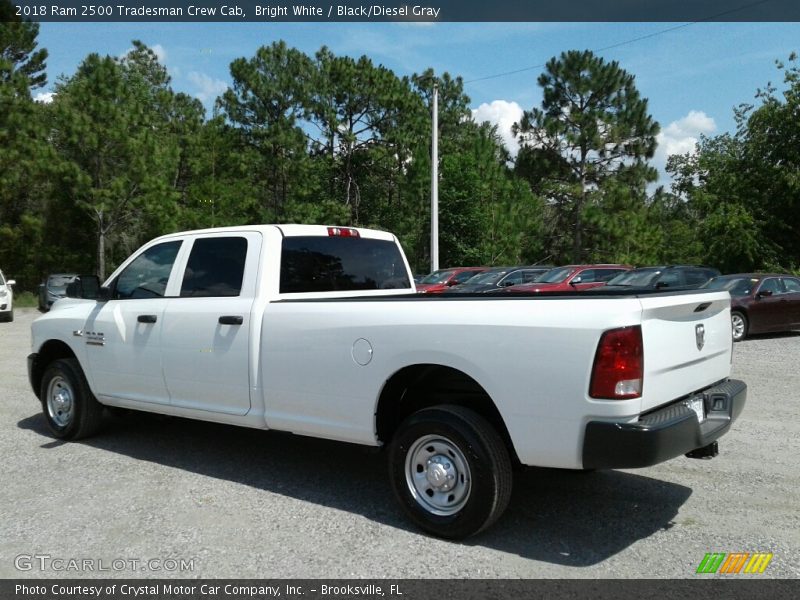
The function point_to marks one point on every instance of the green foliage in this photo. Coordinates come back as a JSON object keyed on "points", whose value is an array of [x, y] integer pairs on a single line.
{"points": [[593, 126], [119, 157], [745, 188]]}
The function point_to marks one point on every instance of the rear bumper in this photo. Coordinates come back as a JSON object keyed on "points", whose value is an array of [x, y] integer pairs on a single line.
{"points": [[665, 433]]}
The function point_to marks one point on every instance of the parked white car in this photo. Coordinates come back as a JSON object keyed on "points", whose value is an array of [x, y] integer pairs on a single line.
{"points": [[6, 298]]}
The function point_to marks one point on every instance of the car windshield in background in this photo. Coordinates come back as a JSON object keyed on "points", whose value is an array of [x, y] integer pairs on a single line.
{"points": [[486, 278], [59, 282], [556, 275], [636, 278], [739, 286], [437, 277], [2, 281]]}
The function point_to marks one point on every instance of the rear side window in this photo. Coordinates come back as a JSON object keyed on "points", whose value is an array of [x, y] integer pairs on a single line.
{"points": [[332, 264], [697, 276], [215, 268], [792, 285]]}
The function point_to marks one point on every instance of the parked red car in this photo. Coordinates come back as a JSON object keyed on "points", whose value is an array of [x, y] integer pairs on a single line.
{"points": [[761, 302], [571, 278], [443, 279]]}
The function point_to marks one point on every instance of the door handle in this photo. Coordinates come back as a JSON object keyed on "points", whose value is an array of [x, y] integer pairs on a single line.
{"points": [[231, 320], [147, 318]]}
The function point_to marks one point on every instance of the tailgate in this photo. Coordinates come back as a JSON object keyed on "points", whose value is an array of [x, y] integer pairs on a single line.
{"points": [[687, 344]]}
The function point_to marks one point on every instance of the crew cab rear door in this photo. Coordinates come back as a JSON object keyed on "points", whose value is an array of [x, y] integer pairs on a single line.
{"points": [[687, 344], [206, 333]]}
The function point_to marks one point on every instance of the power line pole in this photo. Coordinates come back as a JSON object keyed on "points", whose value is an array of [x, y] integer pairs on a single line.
{"points": [[435, 181]]}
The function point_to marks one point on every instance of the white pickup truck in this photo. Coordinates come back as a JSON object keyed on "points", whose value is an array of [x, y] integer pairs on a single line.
{"points": [[317, 331]]}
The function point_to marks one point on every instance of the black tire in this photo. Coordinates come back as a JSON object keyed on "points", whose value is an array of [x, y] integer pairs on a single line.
{"points": [[739, 325], [70, 409], [481, 470]]}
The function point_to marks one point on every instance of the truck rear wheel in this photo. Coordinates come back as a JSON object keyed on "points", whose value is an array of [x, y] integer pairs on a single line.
{"points": [[69, 407], [450, 471]]}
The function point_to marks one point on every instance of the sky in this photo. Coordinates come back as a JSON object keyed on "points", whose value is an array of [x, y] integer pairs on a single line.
{"points": [[693, 74]]}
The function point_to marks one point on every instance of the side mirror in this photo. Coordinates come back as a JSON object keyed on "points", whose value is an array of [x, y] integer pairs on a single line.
{"points": [[11, 282], [661, 285], [576, 280], [764, 294], [506, 284], [84, 286]]}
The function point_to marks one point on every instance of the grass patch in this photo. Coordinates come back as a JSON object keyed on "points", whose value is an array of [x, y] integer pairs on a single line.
{"points": [[26, 300]]}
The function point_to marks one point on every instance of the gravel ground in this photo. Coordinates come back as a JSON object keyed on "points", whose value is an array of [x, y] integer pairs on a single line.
{"points": [[246, 503]]}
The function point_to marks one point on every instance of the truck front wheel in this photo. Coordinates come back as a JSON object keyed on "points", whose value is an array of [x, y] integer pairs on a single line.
{"points": [[69, 407], [450, 471]]}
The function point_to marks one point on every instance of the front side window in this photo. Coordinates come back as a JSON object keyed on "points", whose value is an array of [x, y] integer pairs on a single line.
{"points": [[215, 268], [514, 278], [770, 285], [148, 274], [556, 275]]}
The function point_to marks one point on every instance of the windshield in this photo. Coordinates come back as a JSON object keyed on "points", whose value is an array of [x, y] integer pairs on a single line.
{"points": [[556, 275], [438, 276], [2, 281], [486, 278], [738, 286], [59, 282], [637, 277]]}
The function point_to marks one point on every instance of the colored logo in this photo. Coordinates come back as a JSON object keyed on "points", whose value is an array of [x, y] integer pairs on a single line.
{"points": [[735, 562]]}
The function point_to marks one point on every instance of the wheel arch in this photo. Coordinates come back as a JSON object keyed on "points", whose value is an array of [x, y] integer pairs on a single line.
{"points": [[419, 386], [51, 350]]}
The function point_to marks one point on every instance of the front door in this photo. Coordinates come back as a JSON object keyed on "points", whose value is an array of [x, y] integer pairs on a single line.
{"points": [[123, 335]]}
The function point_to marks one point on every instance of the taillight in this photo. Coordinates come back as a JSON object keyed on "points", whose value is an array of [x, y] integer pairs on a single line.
{"points": [[343, 232], [618, 368]]}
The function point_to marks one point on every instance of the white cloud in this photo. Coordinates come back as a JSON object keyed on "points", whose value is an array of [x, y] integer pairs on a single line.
{"points": [[45, 97], [503, 114], [207, 88], [160, 52], [681, 136]]}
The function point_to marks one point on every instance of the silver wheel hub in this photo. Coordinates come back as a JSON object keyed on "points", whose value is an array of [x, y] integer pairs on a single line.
{"points": [[438, 475], [738, 326], [60, 402]]}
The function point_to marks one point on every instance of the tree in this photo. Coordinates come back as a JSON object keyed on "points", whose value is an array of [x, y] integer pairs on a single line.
{"points": [[115, 125], [593, 126], [25, 154], [744, 187], [267, 104]]}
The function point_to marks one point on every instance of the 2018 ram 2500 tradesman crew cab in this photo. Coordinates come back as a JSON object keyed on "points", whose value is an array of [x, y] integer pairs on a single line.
{"points": [[316, 331]]}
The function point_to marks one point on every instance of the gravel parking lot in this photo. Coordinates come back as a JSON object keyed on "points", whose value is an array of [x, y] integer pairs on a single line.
{"points": [[243, 503]]}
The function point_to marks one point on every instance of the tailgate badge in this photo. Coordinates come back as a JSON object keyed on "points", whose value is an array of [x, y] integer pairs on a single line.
{"points": [[700, 336]]}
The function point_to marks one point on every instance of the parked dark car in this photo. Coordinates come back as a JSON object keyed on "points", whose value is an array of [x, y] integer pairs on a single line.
{"points": [[499, 278], [761, 302], [667, 277], [443, 279], [53, 288], [572, 278]]}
